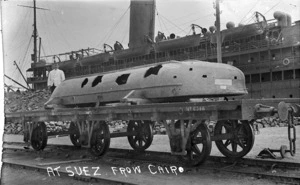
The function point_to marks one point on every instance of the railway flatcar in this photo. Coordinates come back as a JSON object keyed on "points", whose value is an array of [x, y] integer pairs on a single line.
{"points": [[157, 93]]}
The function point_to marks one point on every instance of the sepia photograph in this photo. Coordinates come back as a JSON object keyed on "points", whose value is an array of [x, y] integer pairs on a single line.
{"points": [[150, 92]]}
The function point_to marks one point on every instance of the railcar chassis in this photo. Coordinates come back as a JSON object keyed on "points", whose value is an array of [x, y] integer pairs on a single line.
{"points": [[185, 123]]}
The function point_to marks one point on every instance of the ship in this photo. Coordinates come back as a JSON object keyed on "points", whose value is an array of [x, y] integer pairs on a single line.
{"points": [[267, 51]]}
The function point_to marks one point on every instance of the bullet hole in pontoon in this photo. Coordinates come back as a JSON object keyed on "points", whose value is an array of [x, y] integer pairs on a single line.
{"points": [[174, 76], [122, 79], [235, 77], [204, 76], [191, 69], [291, 96], [97, 80], [152, 71], [85, 81]]}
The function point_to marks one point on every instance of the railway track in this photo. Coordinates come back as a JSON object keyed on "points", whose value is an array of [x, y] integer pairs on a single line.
{"points": [[274, 170]]}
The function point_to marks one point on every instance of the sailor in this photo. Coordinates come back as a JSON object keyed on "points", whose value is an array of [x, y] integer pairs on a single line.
{"points": [[55, 77], [160, 36]]}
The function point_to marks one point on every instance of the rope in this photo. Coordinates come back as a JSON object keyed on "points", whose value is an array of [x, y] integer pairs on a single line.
{"points": [[19, 29], [126, 32], [68, 44], [272, 7], [192, 21], [49, 35], [17, 75], [26, 53], [159, 20], [249, 11], [43, 49], [172, 23], [108, 35]]}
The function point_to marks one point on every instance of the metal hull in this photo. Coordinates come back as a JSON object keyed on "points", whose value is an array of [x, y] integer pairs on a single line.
{"points": [[163, 82]]}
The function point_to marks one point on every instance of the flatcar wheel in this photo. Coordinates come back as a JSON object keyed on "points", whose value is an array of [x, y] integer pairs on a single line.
{"points": [[100, 140], [39, 137], [241, 142], [198, 146], [144, 135], [74, 135]]}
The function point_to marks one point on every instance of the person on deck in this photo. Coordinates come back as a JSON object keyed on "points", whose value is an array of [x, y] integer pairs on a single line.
{"points": [[55, 77]]}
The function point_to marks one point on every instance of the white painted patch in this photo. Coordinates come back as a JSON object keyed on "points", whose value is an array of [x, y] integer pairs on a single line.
{"points": [[223, 87], [223, 81]]}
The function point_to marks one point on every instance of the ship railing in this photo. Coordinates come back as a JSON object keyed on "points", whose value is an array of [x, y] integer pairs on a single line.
{"points": [[36, 79], [73, 55], [250, 45]]}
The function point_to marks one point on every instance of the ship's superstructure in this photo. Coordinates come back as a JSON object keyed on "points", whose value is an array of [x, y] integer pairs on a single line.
{"points": [[267, 51]]}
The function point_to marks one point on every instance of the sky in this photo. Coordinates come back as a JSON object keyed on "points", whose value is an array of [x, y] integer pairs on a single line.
{"points": [[69, 25]]}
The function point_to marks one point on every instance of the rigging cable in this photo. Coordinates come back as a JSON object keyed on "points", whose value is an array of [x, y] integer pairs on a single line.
{"points": [[68, 44], [23, 61], [19, 29], [120, 29], [251, 18], [249, 11], [272, 7], [115, 25], [26, 53], [43, 49], [159, 21], [111, 30], [126, 32], [46, 39], [44, 21], [192, 21], [172, 23], [62, 18], [57, 30]]}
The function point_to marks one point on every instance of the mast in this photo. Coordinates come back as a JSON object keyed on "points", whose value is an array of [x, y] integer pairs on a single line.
{"points": [[40, 45], [34, 34], [219, 42]]}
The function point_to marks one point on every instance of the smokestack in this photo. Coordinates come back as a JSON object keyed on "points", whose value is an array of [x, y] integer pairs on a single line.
{"points": [[142, 22]]}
